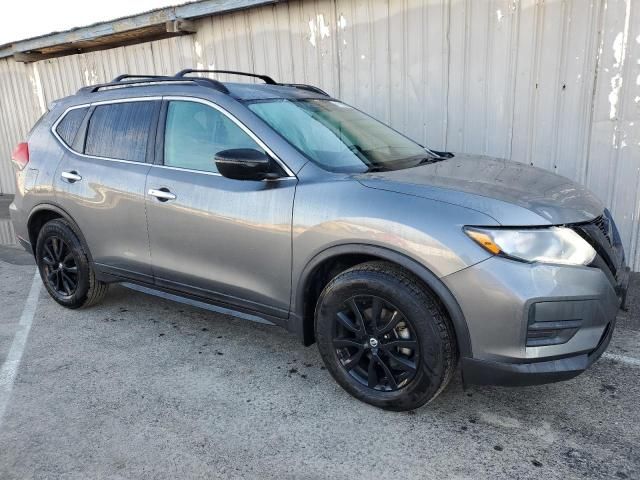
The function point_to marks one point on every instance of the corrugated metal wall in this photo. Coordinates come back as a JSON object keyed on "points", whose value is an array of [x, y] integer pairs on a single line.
{"points": [[7, 233], [553, 83]]}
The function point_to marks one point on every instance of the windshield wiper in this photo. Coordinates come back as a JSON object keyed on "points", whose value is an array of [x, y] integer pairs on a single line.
{"points": [[427, 160], [423, 161], [443, 155]]}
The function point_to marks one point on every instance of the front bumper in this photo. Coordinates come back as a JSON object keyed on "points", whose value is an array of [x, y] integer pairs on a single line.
{"points": [[487, 372], [507, 306]]}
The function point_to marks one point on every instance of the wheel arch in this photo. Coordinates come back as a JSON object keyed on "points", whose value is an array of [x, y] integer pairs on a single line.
{"points": [[44, 212], [303, 298]]}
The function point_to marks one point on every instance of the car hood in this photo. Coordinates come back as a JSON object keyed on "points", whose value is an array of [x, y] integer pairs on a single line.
{"points": [[511, 193]]}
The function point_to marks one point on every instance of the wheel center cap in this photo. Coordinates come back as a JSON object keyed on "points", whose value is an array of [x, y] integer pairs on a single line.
{"points": [[373, 342], [60, 266]]}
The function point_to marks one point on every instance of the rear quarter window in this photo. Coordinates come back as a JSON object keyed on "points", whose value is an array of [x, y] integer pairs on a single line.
{"points": [[68, 127], [121, 130]]}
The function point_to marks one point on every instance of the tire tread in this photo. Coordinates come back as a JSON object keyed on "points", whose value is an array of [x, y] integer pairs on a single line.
{"points": [[97, 289], [429, 303]]}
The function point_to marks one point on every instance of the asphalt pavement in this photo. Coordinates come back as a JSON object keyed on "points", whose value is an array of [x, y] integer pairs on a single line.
{"points": [[142, 387]]}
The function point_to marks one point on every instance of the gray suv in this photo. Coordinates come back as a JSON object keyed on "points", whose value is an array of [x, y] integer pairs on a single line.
{"points": [[280, 201]]}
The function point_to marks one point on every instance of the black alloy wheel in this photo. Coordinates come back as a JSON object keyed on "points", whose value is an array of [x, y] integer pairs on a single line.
{"points": [[375, 343], [65, 268], [60, 266], [384, 336]]}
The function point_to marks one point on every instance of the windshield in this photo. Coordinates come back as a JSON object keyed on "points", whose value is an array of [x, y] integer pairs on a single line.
{"points": [[340, 138]]}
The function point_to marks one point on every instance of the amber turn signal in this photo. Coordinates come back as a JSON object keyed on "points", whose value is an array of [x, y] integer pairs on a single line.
{"points": [[484, 240]]}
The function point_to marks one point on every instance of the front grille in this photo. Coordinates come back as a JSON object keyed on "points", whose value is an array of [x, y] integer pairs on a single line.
{"points": [[603, 225], [602, 236]]}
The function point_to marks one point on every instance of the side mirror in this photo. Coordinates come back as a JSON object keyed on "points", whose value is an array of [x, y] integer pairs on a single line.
{"points": [[245, 164]]}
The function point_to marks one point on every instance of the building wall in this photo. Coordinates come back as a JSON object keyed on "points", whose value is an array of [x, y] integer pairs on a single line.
{"points": [[553, 83]]}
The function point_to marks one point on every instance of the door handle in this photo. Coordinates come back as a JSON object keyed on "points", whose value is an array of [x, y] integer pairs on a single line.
{"points": [[162, 194], [71, 176]]}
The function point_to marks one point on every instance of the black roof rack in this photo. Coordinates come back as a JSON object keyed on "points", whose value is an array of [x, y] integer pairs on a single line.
{"points": [[303, 86], [119, 78], [265, 78], [145, 80], [134, 80]]}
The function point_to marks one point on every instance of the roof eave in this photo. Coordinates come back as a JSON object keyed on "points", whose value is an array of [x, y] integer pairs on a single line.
{"points": [[152, 25]]}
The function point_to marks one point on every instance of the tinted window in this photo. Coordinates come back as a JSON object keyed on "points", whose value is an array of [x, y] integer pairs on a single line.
{"points": [[120, 130], [69, 125], [195, 132]]}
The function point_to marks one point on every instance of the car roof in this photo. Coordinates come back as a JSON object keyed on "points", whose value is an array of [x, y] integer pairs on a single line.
{"points": [[258, 91]]}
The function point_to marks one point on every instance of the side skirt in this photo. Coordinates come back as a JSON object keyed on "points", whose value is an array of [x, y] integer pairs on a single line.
{"points": [[144, 283], [196, 303]]}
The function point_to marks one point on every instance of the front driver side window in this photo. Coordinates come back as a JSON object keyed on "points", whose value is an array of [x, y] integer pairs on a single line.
{"points": [[195, 132]]}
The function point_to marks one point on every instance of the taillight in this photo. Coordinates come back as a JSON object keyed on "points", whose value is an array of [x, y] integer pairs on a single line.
{"points": [[20, 155]]}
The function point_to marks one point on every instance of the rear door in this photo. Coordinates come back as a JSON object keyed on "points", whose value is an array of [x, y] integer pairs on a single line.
{"points": [[222, 239], [101, 178]]}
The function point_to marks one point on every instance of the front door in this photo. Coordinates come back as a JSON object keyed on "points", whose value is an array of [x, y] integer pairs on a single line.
{"points": [[217, 238]]}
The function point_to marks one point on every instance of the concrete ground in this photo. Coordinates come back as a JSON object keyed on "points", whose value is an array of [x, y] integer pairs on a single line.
{"points": [[141, 387]]}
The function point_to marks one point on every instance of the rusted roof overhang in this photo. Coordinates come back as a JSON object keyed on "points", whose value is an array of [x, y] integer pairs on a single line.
{"points": [[153, 25]]}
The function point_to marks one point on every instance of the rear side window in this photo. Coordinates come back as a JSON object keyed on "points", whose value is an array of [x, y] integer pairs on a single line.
{"points": [[121, 130], [69, 125]]}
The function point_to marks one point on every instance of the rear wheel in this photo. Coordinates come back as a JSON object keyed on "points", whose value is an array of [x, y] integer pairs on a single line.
{"points": [[64, 267], [384, 337]]}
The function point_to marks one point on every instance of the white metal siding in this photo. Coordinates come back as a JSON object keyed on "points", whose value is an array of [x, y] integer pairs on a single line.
{"points": [[7, 234], [552, 83]]}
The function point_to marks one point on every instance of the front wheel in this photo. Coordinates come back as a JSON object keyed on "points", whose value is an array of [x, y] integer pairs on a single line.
{"points": [[384, 337], [65, 268]]}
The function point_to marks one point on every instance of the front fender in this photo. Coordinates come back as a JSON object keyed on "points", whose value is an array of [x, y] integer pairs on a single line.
{"points": [[423, 273], [337, 215]]}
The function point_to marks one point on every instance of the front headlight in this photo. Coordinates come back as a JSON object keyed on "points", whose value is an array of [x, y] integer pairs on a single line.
{"points": [[546, 245]]}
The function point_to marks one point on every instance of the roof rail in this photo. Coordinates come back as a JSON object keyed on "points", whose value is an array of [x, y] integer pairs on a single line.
{"points": [[141, 80], [119, 78], [310, 88], [146, 80], [265, 78]]}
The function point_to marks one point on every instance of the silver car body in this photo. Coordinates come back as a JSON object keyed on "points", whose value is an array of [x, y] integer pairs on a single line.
{"points": [[256, 246]]}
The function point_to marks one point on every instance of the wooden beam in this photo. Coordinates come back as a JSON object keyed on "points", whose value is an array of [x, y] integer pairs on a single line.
{"points": [[181, 26], [28, 57], [175, 20]]}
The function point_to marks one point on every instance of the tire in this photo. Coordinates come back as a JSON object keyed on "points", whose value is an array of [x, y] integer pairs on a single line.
{"points": [[64, 267], [419, 351]]}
